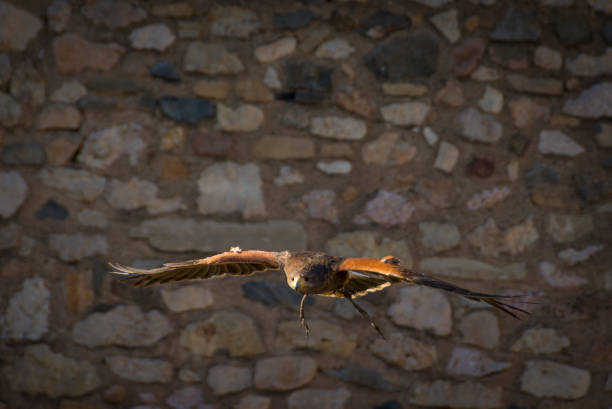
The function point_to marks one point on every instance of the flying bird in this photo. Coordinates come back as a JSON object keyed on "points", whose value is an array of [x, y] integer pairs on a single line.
{"points": [[309, 273]]}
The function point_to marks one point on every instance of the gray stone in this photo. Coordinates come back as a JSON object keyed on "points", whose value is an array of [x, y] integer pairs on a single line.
{"points": [[274, 293], [405, 114], [254, 402], [558, 278], [439, 236], [547, 58], [387, 209], [541, 341], [319, 398], [555, 142], [228, 187], [480, 328], [471, 362], [479, 127], [464, 395], [186, 398], [515, 27], [288, 176], [284, 147], [595, 102], [368, 244], [58, 117], [42, 371], [492, 100], [27, 314], [433, 3], [320, 205], [335, 127], [492, 241], [180, 234], [472, 269], [224, 330], [293, 20], [284, 373], [211, 59], [336, 49], [58, 15], [361, 376], [165, 70], [121, 326], [554, 380], [13, 192], [413, 55], [10, 111], [601, 5], [156, 37], [92, 218], [383, 22], [113, 13], [604, 135], [448, 24], [324, 336], [525, 112], [10, 236], [187, 110], [447, 157], [137, 193], [335, 167], [79, 183], [405, 352], [74, 247], [271, 79], [224, 379], [141, 370], [245, 118], [488, 198], [407, 89], [572, 256], [608, 386], [102, 148], [388, 149], [467, 55], [275, 50], [233, 21], [73, 54], [5, 68], [18, 27], [539, 86], [566, 228], [422, 308], [187, 298], [572, 28]]}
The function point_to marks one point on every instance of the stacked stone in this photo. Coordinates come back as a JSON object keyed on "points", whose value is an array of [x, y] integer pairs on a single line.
{"points": [[165, 131]]}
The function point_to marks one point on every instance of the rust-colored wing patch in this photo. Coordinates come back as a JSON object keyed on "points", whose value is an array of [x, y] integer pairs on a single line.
{"points": [[366, 275], [231, 263]]}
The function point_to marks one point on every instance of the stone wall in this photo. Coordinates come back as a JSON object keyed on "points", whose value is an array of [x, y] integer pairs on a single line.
{"points": [[471, 139]]}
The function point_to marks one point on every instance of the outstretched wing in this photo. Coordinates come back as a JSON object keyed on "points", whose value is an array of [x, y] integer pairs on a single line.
{"points": [[236, 262], [368, 275]]}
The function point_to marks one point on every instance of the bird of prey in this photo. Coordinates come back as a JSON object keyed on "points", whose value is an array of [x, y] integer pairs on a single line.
{"points": [[309, 273]]}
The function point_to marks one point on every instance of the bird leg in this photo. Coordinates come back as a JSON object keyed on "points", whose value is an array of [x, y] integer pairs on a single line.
{"points": [[302, 316], [365, 315]]}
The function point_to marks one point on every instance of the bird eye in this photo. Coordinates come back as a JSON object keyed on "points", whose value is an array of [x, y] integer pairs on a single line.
{"points": [[305, 278]]}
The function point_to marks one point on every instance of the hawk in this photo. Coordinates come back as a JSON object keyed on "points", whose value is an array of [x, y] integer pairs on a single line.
{"points": [[309, 273]]}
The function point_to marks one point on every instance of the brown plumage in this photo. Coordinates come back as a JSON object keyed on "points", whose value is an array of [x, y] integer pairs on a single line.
{"points": [[309, 273]]}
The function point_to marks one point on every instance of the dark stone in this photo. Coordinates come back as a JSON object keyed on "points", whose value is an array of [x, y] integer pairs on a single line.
{"points": [[52, 210], [23, 153], [117, 86], [414, 55], [189, 110], [541, 174], [606, 163], [588, 188], [382, 23], [292, 20], [392, 404], [606, 32], [308, 76], [572, 29], [217, 146], [467, 55], [301, 97], [5, 68], [480, 167], [518, 143], [514, 26], [164, 70], [147, 101], [362, 376], [272, 294], [97, 102], [513, 57], [343, 20]]}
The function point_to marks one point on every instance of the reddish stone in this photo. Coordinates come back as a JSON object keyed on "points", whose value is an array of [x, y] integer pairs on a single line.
{"points": [[355, 101], [510, 56], [74, 54], [480, 167], [115, 394], [173, 168], [467, 55], [205, 144]]}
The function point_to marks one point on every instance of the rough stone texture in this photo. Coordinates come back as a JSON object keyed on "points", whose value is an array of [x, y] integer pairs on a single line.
{"points": [[185, 398], [405, 352], [123, 326], [448, 155], [320, 205], [13, 192], [557, 143], [555, 380], [224, 330], [80, 183], [18, 27], [448, 24], [471, 362], [27, 314], [284, 373], [387, 209], [480, 127], [102, 148], [224, 379], [480, 328], [566, 228], [137, 193], [319, 398], [324, 337], [541, 341], [594, 102], [439, 236], [74, 247], [284, 147], [211, 59], [525, 112], [457, 396], [74, 54], [492, 241], [405, 114], [59, 117], [422, 308], [141, 370], [572, 256], [336, 49], [152, 37], [187, 298], [233, 21], [228, 187], [275, 50], [335, 127], [10, 111], [558, 278], [541, 86]]}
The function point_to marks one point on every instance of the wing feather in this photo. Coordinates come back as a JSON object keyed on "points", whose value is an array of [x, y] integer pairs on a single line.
{"points": [[231, 263]]}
